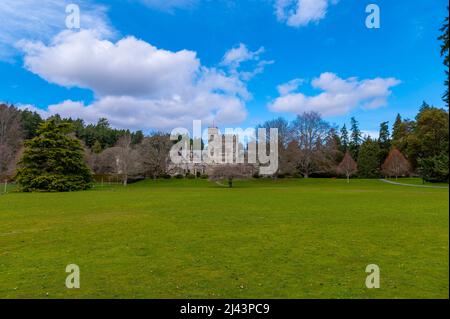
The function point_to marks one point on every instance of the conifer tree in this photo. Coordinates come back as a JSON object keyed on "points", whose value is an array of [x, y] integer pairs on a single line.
{"points": [[53, 161]]}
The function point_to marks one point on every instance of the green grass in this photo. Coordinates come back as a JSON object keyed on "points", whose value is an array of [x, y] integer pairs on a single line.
{"points": [[416, 181], [194, 239]]}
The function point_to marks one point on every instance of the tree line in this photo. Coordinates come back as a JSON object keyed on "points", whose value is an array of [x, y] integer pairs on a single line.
{"points": [[51, 154], [312, 147]]}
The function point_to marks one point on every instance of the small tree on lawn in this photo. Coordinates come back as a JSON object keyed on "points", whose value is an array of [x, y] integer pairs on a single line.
{"points": [[230, 172], [53, 161], [395, 164], [348, 166]]}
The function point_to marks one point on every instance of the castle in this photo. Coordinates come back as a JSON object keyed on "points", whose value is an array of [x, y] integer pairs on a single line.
{"points": [[221, 149]]}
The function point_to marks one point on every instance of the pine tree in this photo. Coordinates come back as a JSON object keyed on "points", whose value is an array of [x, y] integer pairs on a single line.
{"points": [[444, 53], [53, 161], [344, 138], [97, 147], [369, 159], [355, 140], [384, 141], [396, 129]]}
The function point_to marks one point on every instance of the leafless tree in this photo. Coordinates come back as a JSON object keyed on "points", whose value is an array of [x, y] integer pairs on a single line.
{"points": [[10, 138], [396, 164], [122, 159], [311, 134], [347, 167], [230, 172], [154, 152]]}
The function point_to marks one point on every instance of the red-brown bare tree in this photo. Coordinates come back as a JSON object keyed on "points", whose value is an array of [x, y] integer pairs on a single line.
{"points": [[347, 167], [396, 164], [10, 138]]}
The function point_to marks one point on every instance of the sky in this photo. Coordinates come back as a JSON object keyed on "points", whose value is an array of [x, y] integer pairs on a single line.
{"points": [[156, 65]]}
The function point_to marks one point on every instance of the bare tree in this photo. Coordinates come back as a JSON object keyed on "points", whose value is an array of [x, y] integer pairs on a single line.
{"points": [[122, 159], [10, 138], [396, 164], [311, 134], [347, 167], [154, 152], [230, 172], [289, 158]]}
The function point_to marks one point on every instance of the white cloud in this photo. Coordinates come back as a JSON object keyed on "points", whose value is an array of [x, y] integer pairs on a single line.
{"points": [[237, 56], [339, 95], [297, 13], [136, 84], [41, 20], [289, 87]]}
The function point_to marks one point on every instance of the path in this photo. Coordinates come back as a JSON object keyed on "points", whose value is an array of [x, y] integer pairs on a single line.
{"points": [[412, 185]]}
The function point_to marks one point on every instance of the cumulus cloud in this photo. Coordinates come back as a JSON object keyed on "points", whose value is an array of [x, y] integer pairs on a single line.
{"points": [[237, 56], [41, 20], [136, 84], [297, 13], [339, 95], [289, 87]]}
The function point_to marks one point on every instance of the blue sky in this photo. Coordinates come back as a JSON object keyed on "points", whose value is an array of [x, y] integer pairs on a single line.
{"points": [[160, 64]]}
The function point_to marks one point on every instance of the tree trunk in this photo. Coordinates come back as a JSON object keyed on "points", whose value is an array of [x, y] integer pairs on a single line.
{"points": [[230, 183], [348, 178]]}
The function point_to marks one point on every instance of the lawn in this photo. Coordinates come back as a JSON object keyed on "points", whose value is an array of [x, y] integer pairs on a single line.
{"points": [[195, 239]]}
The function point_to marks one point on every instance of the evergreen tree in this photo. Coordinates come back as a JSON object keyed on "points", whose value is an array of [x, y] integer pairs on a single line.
{"points": [[30, 122], [428, 145], [444, 53], [53, 161], [369, 159], [384, 141], [97, 147], [344, 139], [355, 140], [396, 129]]}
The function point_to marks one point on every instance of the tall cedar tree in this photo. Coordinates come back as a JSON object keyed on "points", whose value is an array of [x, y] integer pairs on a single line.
{"points": [[355, 139], [395, 164], [53, 161], [384, 140], [369, 159], [344, 138], [444, 52]]}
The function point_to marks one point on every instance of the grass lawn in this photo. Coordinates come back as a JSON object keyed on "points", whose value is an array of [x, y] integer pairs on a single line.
{"points": [[194, 239], [416, 181]]}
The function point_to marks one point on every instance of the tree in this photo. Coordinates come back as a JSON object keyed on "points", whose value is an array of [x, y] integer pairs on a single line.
{"points": [[369, 159], [396, 164], [384, 141], [348, 166], [435, 168], [344, 138], [30, 122], [126, 158], [97, 147], [10, 138], [53, 161], [401, 131], [284, 137], [137, 137], [230, 172], [311, 133], [444, 53], [355, 139], [289, 160], [154, 153]]}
